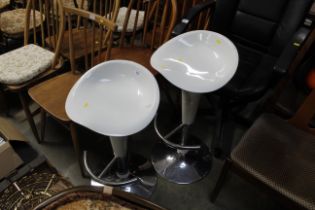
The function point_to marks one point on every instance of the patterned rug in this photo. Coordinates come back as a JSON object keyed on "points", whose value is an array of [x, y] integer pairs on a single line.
{"points": [[33, 188]]}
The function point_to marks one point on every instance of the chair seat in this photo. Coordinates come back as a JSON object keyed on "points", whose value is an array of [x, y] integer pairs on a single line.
{"points": [[4, 3], [13, 22], [253, 75], [197, 61], [138, 55], [114, 98], [23, 64], [58, 87], [132, 19], [281, 156]]}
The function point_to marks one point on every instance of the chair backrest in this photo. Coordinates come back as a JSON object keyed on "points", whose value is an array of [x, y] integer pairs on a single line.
{"points": [[105, 8], [46, 16], [203, 19], [97, 43], [100, 7], [265, 25], [153, 20], [81, 4]]}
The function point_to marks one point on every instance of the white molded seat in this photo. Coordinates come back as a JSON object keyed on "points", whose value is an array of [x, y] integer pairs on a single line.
{"points": [[198, 61], [114, 98]]}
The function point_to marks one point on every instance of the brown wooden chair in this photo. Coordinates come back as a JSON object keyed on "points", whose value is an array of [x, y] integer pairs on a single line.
{"points": [[81, 4], [203, 19], [278, 155], [4, 4], [100, 7], [32, 63], [156, 27], [12, 23], [51, 95]]}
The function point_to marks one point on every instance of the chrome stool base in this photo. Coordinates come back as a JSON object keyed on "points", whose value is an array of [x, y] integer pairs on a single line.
{"points": [[144, 186], [181, 166], [140, 178]]}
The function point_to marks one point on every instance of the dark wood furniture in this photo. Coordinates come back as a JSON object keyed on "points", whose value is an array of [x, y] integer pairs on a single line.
{"points": [[279, 156], [101, 7], [51, 95], [36, 35], [159, 18]]}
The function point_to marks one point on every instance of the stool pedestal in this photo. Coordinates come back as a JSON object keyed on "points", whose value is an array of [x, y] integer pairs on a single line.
{"points": [[140, 180], [182, 163]]}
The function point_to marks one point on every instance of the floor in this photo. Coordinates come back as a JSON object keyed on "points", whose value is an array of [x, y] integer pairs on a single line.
{"points": [[237, 194]]}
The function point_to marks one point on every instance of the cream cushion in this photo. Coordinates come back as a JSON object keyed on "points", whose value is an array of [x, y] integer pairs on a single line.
{"points": [[24, 63], [132, 18], [4, 3], [13, 21]]}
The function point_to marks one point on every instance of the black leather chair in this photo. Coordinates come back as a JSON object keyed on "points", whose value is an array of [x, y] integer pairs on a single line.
{"points": [[268, 35]]}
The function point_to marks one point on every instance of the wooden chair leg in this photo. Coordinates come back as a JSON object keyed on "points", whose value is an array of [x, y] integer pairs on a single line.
{"points": [[42, 124], [75, 141], [4, 103], [29, 115], [218, 186]]}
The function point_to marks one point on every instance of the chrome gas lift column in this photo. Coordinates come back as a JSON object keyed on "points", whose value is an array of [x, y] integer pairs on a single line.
{"points": [[140, 180], [182, 163]]}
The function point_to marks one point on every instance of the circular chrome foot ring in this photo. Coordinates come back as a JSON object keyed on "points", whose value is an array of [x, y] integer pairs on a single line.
{"points": [[181, 166], [141, 181]]}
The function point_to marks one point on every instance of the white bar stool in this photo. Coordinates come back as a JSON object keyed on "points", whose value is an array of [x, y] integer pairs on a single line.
{"points": [[117, 98], [197, 62]]}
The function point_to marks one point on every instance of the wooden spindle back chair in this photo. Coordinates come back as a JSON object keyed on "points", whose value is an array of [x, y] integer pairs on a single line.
{"points": [[97, 37], [138, 39], [13, 22], [81, 4], [51, 95], [4, 5], [157, 23], [32, 63], [107, 8], [202, 22], [48, 22]]}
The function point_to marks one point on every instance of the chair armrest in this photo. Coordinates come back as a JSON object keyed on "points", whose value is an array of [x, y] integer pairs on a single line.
{"points": [[284, 61], [192, 13]]}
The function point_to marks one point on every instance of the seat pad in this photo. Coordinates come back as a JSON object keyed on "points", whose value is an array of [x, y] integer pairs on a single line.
{"points": [[281, 156], [24, 63], [13, 22], [4, 3], [132, 19]]}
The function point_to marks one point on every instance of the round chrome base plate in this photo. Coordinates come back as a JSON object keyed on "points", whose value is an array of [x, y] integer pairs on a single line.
{"points": [[146, 178], [181, 166]]}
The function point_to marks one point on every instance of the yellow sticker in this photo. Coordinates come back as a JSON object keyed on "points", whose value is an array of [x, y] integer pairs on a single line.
{"points": [[181, 59], [163, 66], [85, 105], [296, 44], [218, 41]]}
